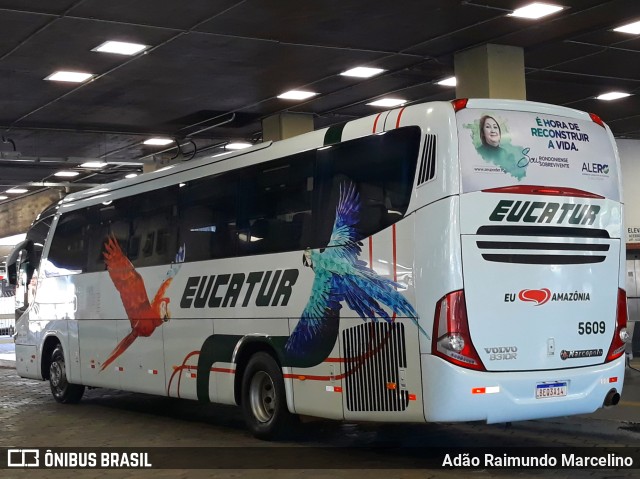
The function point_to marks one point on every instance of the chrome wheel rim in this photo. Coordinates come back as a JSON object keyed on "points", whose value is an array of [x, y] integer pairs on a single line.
{"points": [[56, 374], [262, 396]]}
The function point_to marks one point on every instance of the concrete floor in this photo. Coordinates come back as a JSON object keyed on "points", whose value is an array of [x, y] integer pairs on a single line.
{"points": [[29, 417]]}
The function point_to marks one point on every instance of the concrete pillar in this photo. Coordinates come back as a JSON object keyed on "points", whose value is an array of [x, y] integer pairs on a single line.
{"points": [[490, 71], [285, 125]]}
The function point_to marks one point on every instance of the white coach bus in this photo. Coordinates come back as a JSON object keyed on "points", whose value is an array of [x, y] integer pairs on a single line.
{"points": [[448, 261]]}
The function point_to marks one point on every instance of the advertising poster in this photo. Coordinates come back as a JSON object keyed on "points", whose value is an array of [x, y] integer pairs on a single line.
{"points": [[505, 148]]}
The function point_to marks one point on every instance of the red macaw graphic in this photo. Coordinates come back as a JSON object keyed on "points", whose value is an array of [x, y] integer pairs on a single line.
{"points": [[145, 317]]}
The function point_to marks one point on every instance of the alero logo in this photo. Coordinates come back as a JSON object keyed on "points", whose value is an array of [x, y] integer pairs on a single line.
{"points": [[538, 296]]}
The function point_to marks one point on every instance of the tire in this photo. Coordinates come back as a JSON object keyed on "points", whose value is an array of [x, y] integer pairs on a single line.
{"points": [[263, 400], [63, 391]]}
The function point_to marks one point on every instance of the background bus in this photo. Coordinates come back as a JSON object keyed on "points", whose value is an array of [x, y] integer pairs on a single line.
{"points": [[439, 262]]}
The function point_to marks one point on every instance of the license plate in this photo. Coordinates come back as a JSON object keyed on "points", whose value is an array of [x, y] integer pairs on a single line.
{"points": [[551, 390]]}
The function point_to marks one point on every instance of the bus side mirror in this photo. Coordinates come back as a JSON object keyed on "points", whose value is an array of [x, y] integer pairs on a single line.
{"points": [[12, 274], [12, 260]]}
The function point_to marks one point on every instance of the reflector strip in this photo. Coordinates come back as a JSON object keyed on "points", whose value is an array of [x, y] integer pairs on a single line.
{"points": [[333, 389], [613, 380], [193, 375], [153, 371], [486, 390], [391, 386], [412, 397]]}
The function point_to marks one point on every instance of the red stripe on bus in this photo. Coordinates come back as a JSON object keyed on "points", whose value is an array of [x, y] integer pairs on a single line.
{"points": [[375, 122], [399, 116], [304, 377], [395, 261], [223, 370], [179, 370], [371, 252], [395, 256]]}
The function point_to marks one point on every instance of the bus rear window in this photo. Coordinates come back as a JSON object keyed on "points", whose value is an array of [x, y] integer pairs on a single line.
{"points": [[500, 148]]}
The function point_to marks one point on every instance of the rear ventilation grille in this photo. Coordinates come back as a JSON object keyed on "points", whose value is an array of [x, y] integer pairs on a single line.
{"points": [[374, 354], [557, 231], [531, 252], [428, 162]]}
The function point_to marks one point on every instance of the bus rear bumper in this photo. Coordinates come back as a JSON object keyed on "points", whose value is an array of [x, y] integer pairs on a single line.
{"points": [[452, 393]]}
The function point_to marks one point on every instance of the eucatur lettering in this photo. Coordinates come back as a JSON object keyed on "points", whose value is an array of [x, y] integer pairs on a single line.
{"points": [[259, 288], [542, 212]]}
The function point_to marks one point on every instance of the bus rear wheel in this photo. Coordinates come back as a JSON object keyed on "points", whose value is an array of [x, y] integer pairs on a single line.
{"points": [[264, 402], [63, 391]]}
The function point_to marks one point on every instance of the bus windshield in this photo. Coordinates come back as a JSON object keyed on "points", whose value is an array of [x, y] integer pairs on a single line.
{"points": [[501, 148]]}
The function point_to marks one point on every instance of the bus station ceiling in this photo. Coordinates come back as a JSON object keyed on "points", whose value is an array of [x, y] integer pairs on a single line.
{"points": [[218, 66]]}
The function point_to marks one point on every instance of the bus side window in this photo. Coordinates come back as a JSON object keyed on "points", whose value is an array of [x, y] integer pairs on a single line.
{"points": [[382, 168], [147, 249], [207, 221], [275, 204], [134, 247], [68, 252]]}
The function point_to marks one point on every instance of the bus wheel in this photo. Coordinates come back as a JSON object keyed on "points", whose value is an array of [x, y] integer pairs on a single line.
{"points": [[62, 390], [264, 403]]}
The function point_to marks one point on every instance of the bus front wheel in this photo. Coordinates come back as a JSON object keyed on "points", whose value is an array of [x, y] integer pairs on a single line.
{"points": [[264, 402], [62, 390]]}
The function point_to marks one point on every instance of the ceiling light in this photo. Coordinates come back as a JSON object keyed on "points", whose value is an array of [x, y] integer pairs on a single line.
{"points": [[297, 95], [67, 174], [16, 190], [74, 77], [535, 10], [158, 141], [2, 197], [121, 48], [612, 95], [238, 145], [388, 102], [633, 28], [451, 81], [131, 175], [362, 72], [93, 164]]}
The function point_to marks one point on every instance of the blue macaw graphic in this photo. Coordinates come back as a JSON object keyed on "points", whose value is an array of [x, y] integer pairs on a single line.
{"points": [[341, 276]]}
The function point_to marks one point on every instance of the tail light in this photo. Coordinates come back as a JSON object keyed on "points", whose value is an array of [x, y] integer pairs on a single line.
{"points": [[543, 190], [451, 338], [597, 119], [620, 335], [459, 104]]}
